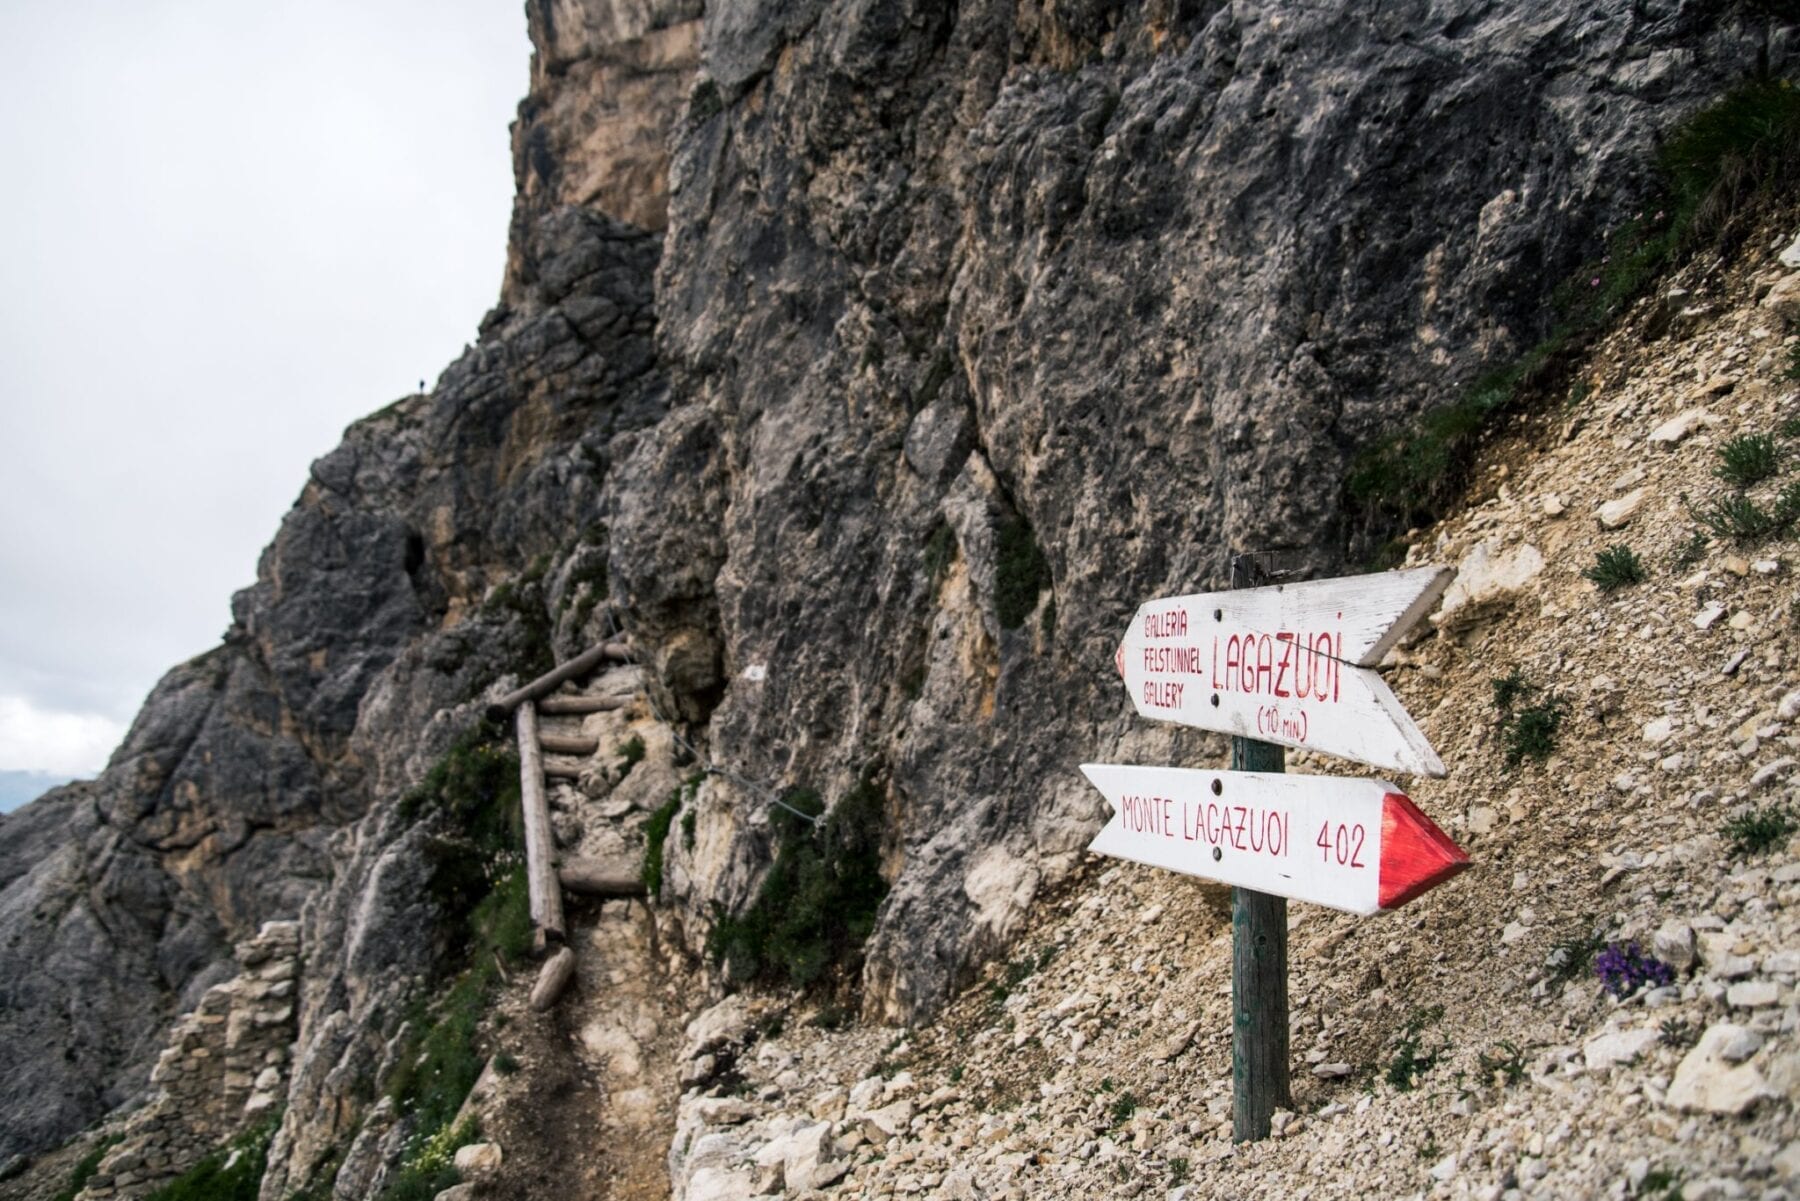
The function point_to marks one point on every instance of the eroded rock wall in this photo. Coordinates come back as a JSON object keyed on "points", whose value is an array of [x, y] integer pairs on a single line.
{"points": [[811, 307], [1144, 275]]}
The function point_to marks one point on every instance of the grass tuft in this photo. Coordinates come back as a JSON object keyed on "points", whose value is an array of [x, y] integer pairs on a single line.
{"points": [[656, 831], [1616, 567], [1411, 1058], [233, 1173], [1747, 460], [1021, 573], [816, 906], [1758, 830], [86, 1167]]}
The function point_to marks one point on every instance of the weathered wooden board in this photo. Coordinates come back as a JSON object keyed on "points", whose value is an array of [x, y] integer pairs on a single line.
{"points": [[540, 847], [1357, 845], [1287, 664]]}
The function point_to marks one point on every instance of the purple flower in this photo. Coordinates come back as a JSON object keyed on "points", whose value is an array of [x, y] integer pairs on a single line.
{"points": [[1595, 283], [1625, 969]]}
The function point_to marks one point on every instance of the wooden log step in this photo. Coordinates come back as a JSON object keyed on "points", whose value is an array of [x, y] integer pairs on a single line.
{"points": [[540, 872], [568, 744], [562, 769], [575, 668], [553, 977], [582, 704], [602, 877]]}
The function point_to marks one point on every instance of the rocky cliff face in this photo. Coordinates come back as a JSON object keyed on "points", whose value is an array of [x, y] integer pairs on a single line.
{"points": [[823, 321]]}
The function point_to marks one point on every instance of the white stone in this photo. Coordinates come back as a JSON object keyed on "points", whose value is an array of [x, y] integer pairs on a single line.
{"points": [[1770, 771], [1621, 1046], [1615, 514], [866, 1093], [1706, 1083], [1709, 616], [1659, 730], [1789, 708], [1000, 886], [1753, 994], [1553, 505], [712, 1183], [1676, 428], [1741, 1046], [478, 1159], [1488, 580], [726, 1022], [1790, 258], [807, 1156], [1673, 943]]}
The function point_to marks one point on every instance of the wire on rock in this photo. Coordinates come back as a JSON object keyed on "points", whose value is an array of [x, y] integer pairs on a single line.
{"points": [[616, 629]]}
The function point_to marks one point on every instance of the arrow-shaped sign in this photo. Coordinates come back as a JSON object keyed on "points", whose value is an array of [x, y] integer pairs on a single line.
{"points": [[1290, 664], [1357, 845]]}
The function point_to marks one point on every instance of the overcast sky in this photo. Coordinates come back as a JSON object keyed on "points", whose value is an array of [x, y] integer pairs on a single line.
{"points": [[226, 231]]}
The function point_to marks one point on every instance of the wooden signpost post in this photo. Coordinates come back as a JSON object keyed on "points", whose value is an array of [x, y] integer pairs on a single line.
{"points": [[1283, 665]]}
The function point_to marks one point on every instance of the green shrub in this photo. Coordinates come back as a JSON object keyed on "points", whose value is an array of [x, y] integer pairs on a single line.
{"points": [[1747, 459], [473, 791], [1509, 689], [232, 1174], [816, 906], [1759, 830], [656, 833], [1740, 519], [1020, 573], [939, 553], [1532, 733], [86, 1167], [1615, 568], [631, 753]]}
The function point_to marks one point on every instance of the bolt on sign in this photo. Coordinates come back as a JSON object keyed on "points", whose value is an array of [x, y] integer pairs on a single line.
{"points": [[1291, 664]]}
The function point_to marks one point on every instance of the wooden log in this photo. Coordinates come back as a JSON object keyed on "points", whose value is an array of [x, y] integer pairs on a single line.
{"points": [[540, 874], [568, 744], [579, 666], [562, 770], [582, 704], [553, 977], [602, 878]]}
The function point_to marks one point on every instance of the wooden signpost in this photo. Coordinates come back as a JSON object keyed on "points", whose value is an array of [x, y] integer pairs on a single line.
{"points": [[1282, 665]]}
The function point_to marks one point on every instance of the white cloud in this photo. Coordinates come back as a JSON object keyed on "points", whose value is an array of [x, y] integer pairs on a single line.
{"points": [[64, 744]]}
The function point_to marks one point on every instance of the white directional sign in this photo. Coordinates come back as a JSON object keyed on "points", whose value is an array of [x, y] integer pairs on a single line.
{"points": [[1289, 664], [1357, 845]]}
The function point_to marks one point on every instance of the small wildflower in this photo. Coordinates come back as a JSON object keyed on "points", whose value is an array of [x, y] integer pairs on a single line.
{"points": [[1595, 282], [1624, 968]]}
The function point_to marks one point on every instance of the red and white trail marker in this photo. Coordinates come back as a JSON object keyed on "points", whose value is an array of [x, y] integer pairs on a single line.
{"points": [[1356, 845], [1289, 664]]}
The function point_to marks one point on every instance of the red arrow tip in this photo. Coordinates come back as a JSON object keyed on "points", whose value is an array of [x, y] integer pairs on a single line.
{"points": [[1416, 856]]}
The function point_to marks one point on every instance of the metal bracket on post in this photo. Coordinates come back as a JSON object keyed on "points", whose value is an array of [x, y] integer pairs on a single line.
{"points": [[1259, 976]]}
